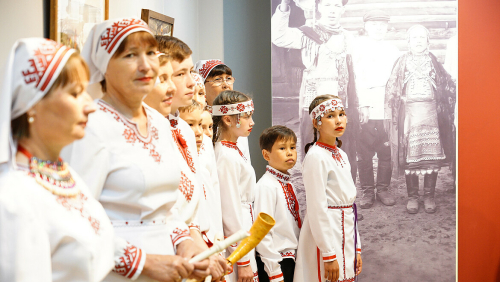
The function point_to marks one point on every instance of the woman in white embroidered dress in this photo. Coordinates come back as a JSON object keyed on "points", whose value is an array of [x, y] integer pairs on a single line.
{"points": [[329, 246], [126, 157], [51, 228], [232, 113]]}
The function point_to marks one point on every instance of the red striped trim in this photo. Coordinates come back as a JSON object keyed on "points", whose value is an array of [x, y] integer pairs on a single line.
{"points": [[117, 38], [276, 276], [54, 69], [330, 257], [319, 265], [243, 263], [358, 250], [137, 262]]}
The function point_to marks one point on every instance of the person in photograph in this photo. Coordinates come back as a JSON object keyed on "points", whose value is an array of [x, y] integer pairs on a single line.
{"points": [[373, 59], [326, 50], [419, 110], [329, 245]]}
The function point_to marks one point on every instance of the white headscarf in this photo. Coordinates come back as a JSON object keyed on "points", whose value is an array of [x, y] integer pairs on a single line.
{"points": [[103, 41], [32, 67], [204, 67]]}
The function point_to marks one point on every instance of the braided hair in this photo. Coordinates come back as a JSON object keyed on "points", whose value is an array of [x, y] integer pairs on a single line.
{"points": [[318, 100], [225, 98]]}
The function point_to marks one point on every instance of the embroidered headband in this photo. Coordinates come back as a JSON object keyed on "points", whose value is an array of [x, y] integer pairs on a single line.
{"points": [[33, 65], [325, 107], [232, 109], [198, 80], [204, 67], [103, 41]]}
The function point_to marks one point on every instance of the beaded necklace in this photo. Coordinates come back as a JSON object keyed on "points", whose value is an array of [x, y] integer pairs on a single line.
{"points": [[53, 176]]}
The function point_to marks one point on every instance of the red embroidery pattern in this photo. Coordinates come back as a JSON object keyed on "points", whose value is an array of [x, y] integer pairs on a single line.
{"points": [[49, 52], [255, 277], [232, 145], [178, 234], [288, 254], [291, 199], [78, 204], [173, 123], [183, 148], [343, 241], [224, 109], [130, 133], [251, 212], [208, 66], [204, 191], [335, 152], [186, 187], [128, 263], [112, 35]]}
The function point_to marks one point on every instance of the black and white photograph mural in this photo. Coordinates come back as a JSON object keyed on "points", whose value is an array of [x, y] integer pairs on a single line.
{"points": [[394, 65]]}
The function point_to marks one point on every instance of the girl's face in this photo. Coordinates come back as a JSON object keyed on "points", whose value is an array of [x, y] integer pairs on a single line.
{"points": [[66, 110], [200, 95], [160, 98], [333, 125], [131, 75], [207, 124], [246, 124], [418, 41]]}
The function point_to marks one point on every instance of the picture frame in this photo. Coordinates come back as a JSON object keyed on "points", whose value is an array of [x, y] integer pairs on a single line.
{"points": [[72, 20], [158, 23]]}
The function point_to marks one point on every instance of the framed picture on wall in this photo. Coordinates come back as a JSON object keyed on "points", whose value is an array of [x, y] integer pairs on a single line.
{"points": [[72, 20], [158, 23]]}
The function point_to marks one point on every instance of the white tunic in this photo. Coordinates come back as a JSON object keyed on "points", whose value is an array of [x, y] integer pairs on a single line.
{"points": [[136, 179], [372, 62], [45, 237], [328, 230], [210, 177], [237, 191], [188, 207], [275, 196]]}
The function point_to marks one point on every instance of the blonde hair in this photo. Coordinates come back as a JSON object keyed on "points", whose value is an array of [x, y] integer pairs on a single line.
{"points": [[191, 108]]}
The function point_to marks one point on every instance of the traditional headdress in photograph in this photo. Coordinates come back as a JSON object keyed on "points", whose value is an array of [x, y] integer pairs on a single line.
{"points": [[32, 67], [232, 109], [204, 67], [327, 106], [103, 41]]}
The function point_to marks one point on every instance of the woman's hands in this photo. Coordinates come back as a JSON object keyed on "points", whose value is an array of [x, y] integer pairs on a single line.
{"points": [[188, 249], [359, 265], [218, 266], [245, 274], [167, 268], [332, 270]]}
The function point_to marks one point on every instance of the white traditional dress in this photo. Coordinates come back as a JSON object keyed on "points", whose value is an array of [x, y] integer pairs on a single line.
{"points": [[328, 232], [276, 197], [136, 179], [46, 237], [188, 206], [237, 190], [210, 177]]}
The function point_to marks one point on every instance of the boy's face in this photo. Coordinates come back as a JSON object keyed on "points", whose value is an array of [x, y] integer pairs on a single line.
{"points": [[194, 120], [376, 30], [331, 11], [207, 124], [184, 83], [283, 155], [214, 88]]}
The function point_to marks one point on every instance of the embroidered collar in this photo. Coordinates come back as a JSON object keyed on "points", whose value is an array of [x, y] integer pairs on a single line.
{"points": [[233, 145], [174, 119], [334, 150], [278, 174]]}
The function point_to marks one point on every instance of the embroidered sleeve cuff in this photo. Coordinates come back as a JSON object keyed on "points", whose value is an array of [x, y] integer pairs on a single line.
{"points": [[358, 250], [243, 263], [130, 262], [276, 278], [194, 226], [178, 235]]}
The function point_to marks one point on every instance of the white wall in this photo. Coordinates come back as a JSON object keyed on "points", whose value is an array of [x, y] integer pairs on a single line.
{"points": [[211, 29], [185, 13], [18, 19]]}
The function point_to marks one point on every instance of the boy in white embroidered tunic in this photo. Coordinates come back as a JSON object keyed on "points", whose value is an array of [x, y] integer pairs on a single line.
{"points": [[275, 196], [329, 246]]}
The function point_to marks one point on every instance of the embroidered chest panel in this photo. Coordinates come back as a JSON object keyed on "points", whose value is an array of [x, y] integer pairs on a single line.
{"points": [[183, 148], [335, 153], [234, 147], [131, 134], [186, 187], [291, 199]]}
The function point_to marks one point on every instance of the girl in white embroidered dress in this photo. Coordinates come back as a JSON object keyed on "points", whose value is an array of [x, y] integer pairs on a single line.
{"points": [[329, 246], [124, 158], [232, 115], [60, 233]]}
